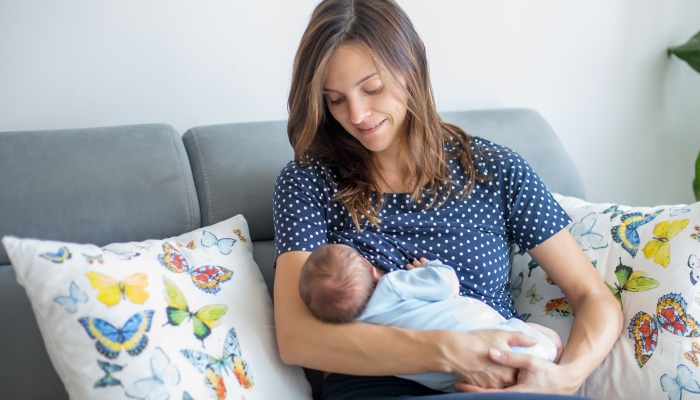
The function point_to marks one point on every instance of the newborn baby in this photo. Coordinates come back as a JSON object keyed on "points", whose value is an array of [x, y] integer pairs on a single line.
{"points": [[340, 286]]}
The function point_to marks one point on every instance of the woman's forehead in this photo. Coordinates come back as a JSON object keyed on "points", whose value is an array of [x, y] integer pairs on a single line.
{"points": [[349, 66]]}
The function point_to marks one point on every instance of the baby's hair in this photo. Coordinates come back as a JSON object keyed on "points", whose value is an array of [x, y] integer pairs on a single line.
{"points": [[335, 283]]}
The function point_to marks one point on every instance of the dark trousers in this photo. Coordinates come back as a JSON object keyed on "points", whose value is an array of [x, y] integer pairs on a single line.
{"points": [[348, 387]]}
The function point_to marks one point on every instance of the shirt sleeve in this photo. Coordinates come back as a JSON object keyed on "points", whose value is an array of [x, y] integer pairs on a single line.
{"points": [[432, 282], [532, 215], [298, 205]]}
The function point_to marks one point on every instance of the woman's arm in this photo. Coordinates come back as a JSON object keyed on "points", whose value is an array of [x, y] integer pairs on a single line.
{"points": [[367, 349], [597, 323]]}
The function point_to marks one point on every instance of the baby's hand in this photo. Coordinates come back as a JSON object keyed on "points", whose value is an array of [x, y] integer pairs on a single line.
{"points": [[416, 264]]}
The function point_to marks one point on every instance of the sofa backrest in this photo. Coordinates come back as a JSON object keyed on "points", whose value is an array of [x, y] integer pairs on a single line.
{"points": [[100, 185], [235, 165]]}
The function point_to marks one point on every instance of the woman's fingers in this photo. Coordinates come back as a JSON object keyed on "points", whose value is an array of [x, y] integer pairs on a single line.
{"points": [[520, 339]]}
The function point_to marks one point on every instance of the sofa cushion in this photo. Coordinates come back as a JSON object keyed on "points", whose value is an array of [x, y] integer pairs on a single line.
{"points": [[157, 318], [98, 185], [648, 257]]}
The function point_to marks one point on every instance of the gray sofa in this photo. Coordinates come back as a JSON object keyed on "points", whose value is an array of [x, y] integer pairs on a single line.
{"points": [[131, 183]]}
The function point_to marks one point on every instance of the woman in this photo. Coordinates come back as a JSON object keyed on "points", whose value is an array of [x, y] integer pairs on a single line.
{"points": [[371, 153]]}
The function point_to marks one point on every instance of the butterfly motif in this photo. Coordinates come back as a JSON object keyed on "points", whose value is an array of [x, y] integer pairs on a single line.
{"points": [[533, 296], [558, 308], [658, 247], [203, 320], [111, 291], [191, 245], [91, 259], [670, 315], [679, 210], [548, 279], [212, 367], [614, 211], [186, 396], [71, 301], [626, 233], [108, 379], [238, 233], [58, 257], [518, 285], [524, 317], [692, 354], [132, 336], [582, 231], [530, 266], [142, 247], [162, 374], [207, 277], [122, 255], [520, 251], [225, 245], [683, 381], [694, 265], [629, 280], [696, 235]]}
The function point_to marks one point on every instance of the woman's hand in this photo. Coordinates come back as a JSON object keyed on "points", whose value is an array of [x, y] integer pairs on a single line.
{"points": [[472, 363], [534, 375]]}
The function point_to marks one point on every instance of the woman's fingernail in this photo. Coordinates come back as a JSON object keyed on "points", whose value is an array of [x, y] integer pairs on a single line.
{"points": [[495, 352]]}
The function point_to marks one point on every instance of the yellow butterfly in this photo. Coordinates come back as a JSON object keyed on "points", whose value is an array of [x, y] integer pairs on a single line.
{"points": [[658, 247], [111, 291], [240, 235], [692, 355]]}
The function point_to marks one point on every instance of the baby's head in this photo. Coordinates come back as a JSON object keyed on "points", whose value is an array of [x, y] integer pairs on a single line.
{"points": [[336, 283]]}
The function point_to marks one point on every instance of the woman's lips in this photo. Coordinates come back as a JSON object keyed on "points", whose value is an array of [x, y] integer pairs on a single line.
{"points": [[372, 128]]}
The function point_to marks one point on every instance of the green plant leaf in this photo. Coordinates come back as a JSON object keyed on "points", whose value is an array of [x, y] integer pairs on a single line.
{"points": [[689, 52], [696, 182]]}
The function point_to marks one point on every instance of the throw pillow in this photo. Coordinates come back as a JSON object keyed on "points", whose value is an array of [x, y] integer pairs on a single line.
{"points": [[648, 257], [185, 317]]}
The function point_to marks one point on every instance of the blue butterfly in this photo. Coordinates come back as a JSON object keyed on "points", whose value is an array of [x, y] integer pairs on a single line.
{"points": [[155, 387], [524, 317], [224, 244], [683, 381], [582, 231], [108, 379], [110, 339], [530, 266], [679, 210], [71, 302], [614, 211], [58, 257], [122, 255], [626, 233]]}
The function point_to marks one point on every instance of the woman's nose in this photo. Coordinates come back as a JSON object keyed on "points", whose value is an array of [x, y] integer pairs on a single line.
{"points": [[359, 110]]}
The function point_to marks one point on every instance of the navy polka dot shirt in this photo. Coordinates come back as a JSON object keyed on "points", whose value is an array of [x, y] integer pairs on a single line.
{"points": [[471, 235]]}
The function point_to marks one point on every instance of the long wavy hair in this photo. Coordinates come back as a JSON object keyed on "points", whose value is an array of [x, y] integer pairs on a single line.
{"points": [[383, 29]]}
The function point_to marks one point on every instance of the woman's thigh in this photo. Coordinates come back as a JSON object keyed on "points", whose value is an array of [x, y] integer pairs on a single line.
{"points": [[348, 387]]}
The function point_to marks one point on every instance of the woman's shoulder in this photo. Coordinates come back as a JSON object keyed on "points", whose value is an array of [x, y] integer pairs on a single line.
{"points": [[314, 177]]}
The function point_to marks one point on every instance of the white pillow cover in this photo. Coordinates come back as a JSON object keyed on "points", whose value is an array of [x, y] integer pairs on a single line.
{"points": [[649, 258], [185, 317]]}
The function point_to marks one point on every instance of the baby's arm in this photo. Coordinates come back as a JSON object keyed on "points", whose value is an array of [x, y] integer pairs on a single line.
{"points": [[551, 335]]}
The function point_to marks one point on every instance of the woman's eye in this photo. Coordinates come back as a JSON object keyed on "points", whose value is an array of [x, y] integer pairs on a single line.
{"points": [[376, 91], [337, 101]]}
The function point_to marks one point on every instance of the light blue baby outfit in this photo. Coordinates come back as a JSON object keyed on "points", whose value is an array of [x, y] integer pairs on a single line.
{"points": [[428, 298]]}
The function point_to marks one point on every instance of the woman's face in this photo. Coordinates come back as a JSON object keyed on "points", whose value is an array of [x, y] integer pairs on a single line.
{"points": [[358, 100]]}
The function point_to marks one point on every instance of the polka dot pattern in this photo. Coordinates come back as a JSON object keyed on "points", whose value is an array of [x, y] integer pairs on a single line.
{"points": [[471, 235]]}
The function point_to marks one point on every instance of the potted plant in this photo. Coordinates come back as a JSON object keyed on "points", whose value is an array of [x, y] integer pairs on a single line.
{"points": [[690, 53]]}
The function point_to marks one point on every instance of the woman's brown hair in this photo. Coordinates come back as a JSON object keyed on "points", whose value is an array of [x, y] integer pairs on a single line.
{"points": [[384, 30]]}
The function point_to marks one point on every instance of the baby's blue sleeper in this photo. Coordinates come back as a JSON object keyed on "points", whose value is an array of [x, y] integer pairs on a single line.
{"points": [[428, 298]]}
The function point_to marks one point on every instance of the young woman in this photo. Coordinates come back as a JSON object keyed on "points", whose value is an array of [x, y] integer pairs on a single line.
{"points": [[371, 153]]}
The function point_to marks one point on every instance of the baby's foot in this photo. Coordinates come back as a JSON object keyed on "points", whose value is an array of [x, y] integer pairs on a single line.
{"points": [[551, 335]]}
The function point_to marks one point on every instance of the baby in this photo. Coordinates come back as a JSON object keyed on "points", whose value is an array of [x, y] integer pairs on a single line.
{"points": [[340, 286]]}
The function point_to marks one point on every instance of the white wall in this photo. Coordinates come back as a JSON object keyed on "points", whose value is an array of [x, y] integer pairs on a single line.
{"points": [[596, 70]]}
